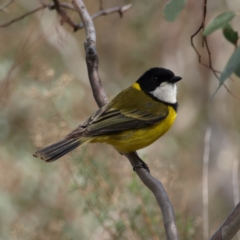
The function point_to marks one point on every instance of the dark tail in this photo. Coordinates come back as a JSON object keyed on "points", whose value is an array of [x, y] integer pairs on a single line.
{"points": [[59, 149]]}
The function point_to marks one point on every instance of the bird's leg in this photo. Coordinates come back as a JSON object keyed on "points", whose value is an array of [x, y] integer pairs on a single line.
{"points": [[141, 165]]}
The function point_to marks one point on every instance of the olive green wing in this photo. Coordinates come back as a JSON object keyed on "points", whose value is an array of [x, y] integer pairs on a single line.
{"points": [[132, 109], [117, 121]]}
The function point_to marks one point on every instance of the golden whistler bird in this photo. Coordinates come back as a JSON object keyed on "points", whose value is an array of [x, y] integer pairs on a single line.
{"points": [[134, 119]]}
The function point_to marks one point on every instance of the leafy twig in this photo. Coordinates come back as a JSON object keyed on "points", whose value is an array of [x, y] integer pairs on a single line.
{"points": [[204, 41]]}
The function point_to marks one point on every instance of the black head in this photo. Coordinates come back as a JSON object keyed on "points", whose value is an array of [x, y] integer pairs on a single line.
{"points": [[152, 78]]}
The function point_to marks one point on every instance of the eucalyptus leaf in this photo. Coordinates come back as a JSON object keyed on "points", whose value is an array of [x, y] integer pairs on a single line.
{"points": [[172, 9], [220, 21], [230, 34], [237, 71], [231, 66]]}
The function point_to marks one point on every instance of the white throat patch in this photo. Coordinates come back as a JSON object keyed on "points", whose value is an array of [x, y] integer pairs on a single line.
{"points": [[166, 92]]}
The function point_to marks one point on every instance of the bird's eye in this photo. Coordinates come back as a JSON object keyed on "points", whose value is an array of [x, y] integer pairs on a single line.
{"points": [[154, 79]]}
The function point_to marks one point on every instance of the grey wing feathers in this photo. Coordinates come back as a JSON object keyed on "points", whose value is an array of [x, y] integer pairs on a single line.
{"points": [[94, 116], [80, 130]]}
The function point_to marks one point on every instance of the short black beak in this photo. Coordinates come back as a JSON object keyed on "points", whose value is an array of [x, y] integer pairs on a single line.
{"points": [[175, 79]]}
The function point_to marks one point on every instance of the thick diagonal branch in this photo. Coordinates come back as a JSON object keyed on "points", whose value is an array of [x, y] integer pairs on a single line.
{"points": [[229, 227], [92, 64]]}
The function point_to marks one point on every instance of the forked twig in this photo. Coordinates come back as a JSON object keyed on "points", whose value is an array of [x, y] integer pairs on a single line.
{"points": [[64, 16], [60, 6], [108, 11]]}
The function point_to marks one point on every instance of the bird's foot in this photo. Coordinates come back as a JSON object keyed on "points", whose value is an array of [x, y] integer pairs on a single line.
{"points": [[141, 165]]}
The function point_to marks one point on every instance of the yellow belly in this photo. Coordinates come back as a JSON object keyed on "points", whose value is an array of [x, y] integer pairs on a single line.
{"points": [[132, 140]]}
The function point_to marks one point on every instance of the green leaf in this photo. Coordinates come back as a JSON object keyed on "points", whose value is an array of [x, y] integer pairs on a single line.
{"points": [[237, 71], [219, 22], [231, 66], [230, 34], [172, 9]]}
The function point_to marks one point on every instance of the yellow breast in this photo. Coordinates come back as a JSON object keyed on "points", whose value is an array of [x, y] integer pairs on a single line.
{"points": [[132, 140]]}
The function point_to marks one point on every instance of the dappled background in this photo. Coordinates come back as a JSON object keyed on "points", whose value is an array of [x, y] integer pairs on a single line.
{"points": [[93, 193]]}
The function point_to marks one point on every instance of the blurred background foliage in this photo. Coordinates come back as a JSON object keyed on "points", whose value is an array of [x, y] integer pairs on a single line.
{"points": [[93, 193]]}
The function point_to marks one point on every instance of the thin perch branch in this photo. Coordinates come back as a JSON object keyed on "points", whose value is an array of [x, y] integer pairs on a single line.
{"points": [[92, 64], [160, 194], [91, 54]]}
